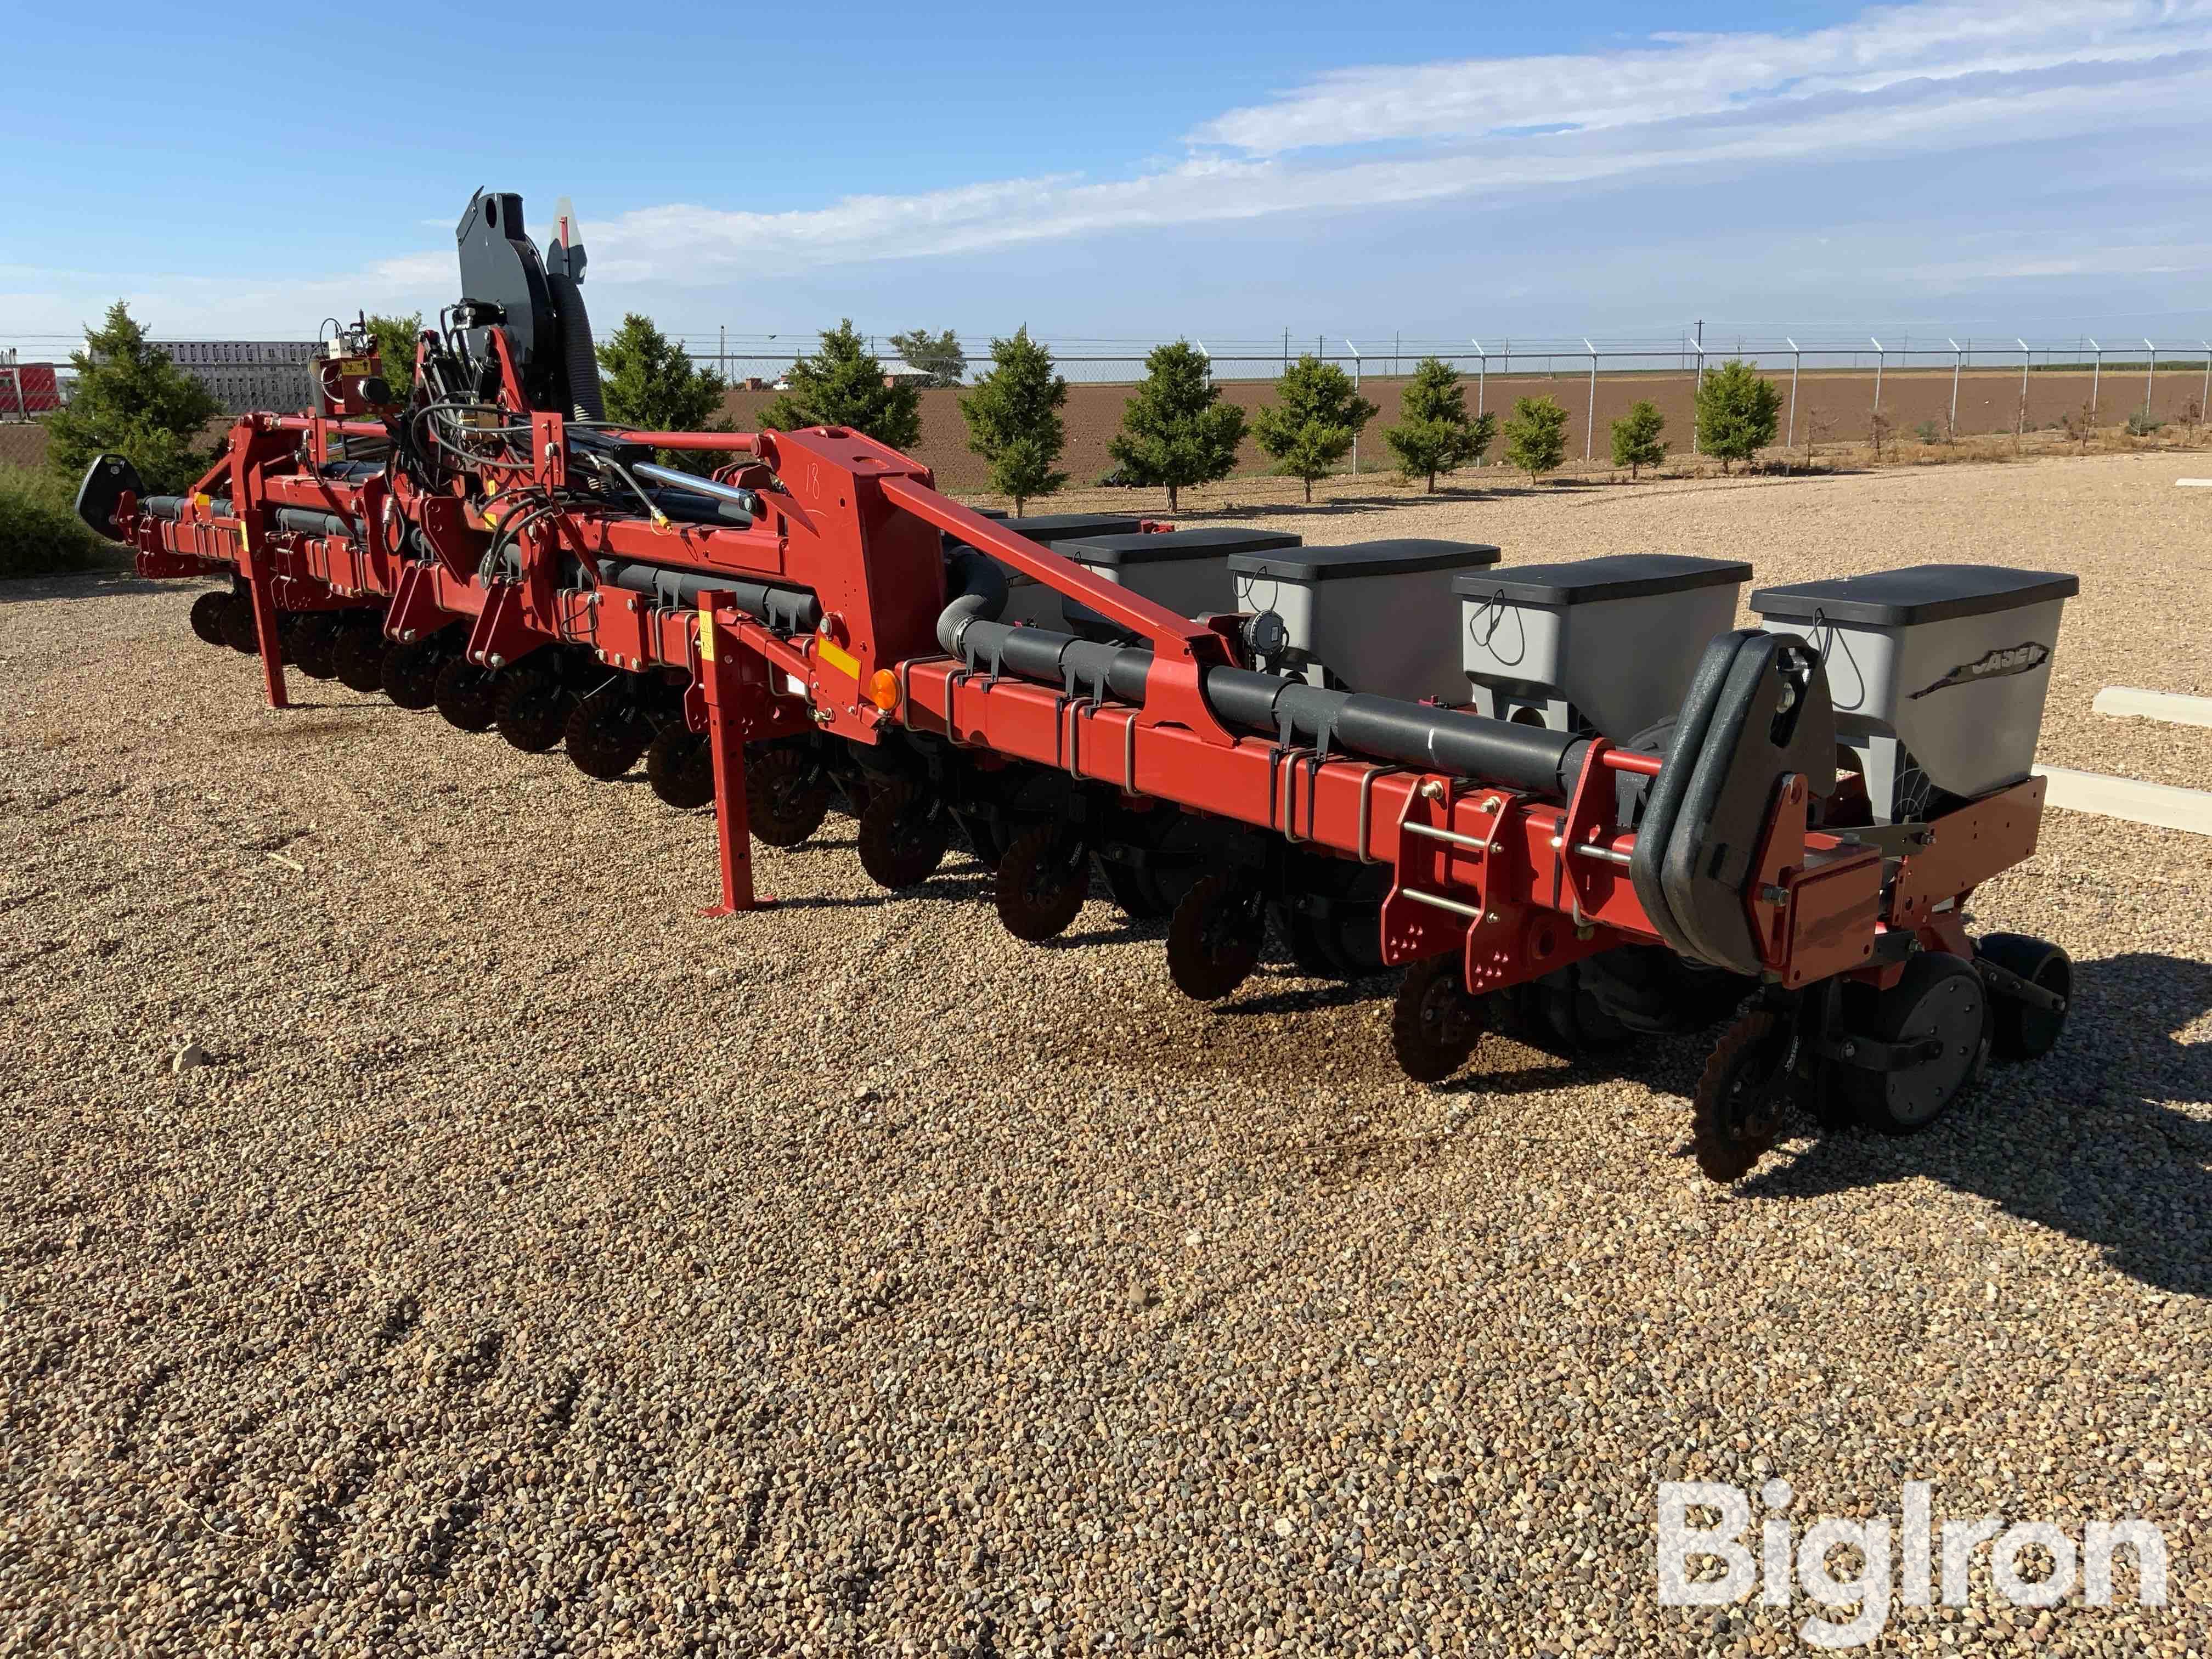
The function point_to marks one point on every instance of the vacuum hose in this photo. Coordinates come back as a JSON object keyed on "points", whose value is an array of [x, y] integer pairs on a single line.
{"points": [[1385, 728]]}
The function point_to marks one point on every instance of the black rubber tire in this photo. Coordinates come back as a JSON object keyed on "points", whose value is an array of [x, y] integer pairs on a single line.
{"points": [[467, 695], [1648, 988], [904, 833], [410, 673], [605, 736], [680, 766], [1309, 945], [1938, 995], [1214, 937], [358, 657], [532, 710], [1736, 1113], [1132, 889], [1043, 877], [2018, 1031], [207, 618], [240, 631], [1435, 1021], [787, 796], [314, 644]]}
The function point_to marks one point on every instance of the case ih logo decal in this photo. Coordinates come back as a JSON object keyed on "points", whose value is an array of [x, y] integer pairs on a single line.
{"points": [[2009, 659]]}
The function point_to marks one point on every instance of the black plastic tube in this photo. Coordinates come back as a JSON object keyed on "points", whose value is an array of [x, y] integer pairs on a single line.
{"points": [[1385, 728], [793, 609]]}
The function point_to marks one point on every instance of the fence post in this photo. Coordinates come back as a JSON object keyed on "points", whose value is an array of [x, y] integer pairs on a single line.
{"points": [[2026, 359], [1796, 362], [2096, 374], [1957, 358], [2147, 373], [1698, 385], [1481, 374], [1879, 353], [1356, 366], [1590, 420], [2204, 399]]}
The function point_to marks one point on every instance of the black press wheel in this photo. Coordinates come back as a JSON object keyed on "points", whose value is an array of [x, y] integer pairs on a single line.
{"points": [[466, 694], [680, 766], [1214, 937], [606, 734], [1939, 1002], [410, 672], [532, 710], [787, 796], [904, 833], [207, 618], [2020, 1030], [1043, 878], [1436, 1022], [1737, 1110], [240, 632], [1132, 889], [315, 645], [358, 656]]}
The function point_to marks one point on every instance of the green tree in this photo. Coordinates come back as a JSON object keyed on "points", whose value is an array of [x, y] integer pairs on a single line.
{"points": [[1637, 440], [842, 385], [395, 338], [939, 356], [1536, 436], [1433, 433], [131, 399], [1014, 419], [1738, 412], [1176, 431], [649, 382], [1320, 413]]}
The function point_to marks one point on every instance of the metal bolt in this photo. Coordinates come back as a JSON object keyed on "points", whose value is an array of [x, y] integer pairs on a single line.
{"points": [[1850, 1051], [1432, 790], [1490, 805], [496, 661]]}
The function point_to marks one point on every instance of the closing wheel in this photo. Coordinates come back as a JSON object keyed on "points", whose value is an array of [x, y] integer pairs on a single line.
{"points": [[1214, 937], [239, 631], [1310, 945], [606, 734], [1436, 1022], [1043, 877], [786, 795], [358, 657], [1737, 1110], [410, 672], [2018, 1029], [680, 766], [207, 618], [904, 833], [532, 710], [1939, 1005], [314, 643], [465, 693]]}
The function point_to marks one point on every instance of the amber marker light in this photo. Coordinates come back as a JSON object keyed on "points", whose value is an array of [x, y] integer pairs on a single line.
{"points": [[884, 690]]}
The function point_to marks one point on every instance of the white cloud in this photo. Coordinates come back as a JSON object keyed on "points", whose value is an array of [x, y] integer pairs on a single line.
{"points": [[1679, 76]]}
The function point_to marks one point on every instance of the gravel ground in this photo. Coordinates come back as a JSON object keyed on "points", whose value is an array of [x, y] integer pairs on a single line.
{"points": [[537, 1267]]}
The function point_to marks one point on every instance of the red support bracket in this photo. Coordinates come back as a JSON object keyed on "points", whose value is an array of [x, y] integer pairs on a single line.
{"points": [[721, 664], [502, 634]]}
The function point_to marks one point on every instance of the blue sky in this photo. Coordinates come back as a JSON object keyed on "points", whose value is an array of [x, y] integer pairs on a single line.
{"points": [[1227, 171]]}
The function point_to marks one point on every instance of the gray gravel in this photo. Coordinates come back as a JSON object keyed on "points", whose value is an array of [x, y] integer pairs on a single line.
{"points": [[535, 1266]]}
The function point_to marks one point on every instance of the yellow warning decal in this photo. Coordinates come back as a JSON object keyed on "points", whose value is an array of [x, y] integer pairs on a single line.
{"points": [[706, 628], [838, 658]]}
